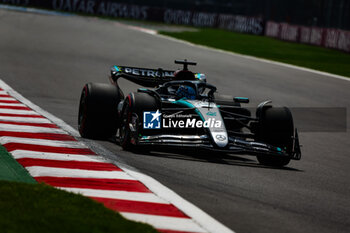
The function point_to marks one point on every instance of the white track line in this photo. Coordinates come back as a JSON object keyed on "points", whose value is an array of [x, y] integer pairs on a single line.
{"points": [[199, 216], [122, 195], [16, 111], [37, 171], [257, 59], [146, 30], [29, 129], [3, 93], [7, 98], [188, 208], [24, 119], [38, 110], [20, 154], [43, 142], [162, 222], [155, 33], [13, 104]]}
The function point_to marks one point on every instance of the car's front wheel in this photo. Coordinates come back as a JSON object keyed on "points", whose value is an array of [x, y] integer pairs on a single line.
{"points": [[135, 104], [128, 125], [277, 129]]}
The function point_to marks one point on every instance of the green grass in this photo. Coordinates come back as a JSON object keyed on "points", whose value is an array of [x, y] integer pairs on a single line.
{"points": [[36, 208], [11, 170], [313, 57]]}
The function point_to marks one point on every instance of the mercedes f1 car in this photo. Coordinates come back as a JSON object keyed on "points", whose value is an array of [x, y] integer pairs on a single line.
{"points": [[179, 108]]}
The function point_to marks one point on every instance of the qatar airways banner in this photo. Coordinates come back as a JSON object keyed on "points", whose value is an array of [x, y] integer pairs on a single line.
{"points": [[238, 23], [325, 37], [254, 25]]}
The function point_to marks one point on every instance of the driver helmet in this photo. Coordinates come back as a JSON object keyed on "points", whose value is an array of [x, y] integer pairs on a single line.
{"points": [[184, 75], [186, 91]]}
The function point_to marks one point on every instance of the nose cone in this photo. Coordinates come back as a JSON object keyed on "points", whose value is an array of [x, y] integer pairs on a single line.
{"points": [[220, 138]]}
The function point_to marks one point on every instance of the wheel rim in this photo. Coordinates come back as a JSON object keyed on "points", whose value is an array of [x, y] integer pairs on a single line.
{"points": [[82, 109], [124, 128]]}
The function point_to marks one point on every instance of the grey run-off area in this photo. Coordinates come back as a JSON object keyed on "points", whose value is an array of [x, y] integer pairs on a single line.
{"points": [[48, 59]]}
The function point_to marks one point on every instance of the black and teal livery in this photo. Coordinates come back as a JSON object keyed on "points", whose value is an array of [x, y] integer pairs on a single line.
{"points": [[193, 116]]}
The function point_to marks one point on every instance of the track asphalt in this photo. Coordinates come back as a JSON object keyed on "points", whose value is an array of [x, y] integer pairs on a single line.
{"points": [[50, 154], [48, 59]]}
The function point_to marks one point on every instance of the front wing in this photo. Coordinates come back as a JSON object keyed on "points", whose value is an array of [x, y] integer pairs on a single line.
{"points": [[235, 145]]}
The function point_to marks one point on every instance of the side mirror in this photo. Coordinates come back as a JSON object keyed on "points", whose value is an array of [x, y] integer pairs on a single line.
{"points": [[241, 100]]}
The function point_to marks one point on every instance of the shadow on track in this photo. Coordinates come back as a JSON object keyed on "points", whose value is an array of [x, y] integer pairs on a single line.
{"points": [[202, 155], [210, 157]]}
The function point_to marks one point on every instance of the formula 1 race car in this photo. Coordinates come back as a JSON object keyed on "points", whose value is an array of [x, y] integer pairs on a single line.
{"points": [[179, 108]]}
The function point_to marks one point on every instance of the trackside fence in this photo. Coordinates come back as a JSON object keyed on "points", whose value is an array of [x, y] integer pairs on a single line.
{"points": [[111, 8], [325, 37]]}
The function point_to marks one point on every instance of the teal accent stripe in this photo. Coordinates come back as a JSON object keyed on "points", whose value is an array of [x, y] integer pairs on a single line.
{"points": [[117, 68], [189, 105]]}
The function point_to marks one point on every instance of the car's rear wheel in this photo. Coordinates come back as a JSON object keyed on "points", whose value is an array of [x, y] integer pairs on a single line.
{"points": [[98, 115], [277, 129]]}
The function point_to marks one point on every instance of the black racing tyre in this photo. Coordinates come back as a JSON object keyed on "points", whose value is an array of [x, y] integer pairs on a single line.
{"points": [[98, 111], [277, 129], [132, 113]]}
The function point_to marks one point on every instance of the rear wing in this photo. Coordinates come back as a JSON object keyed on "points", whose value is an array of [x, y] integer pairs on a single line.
{"points": [[147, 77]]}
